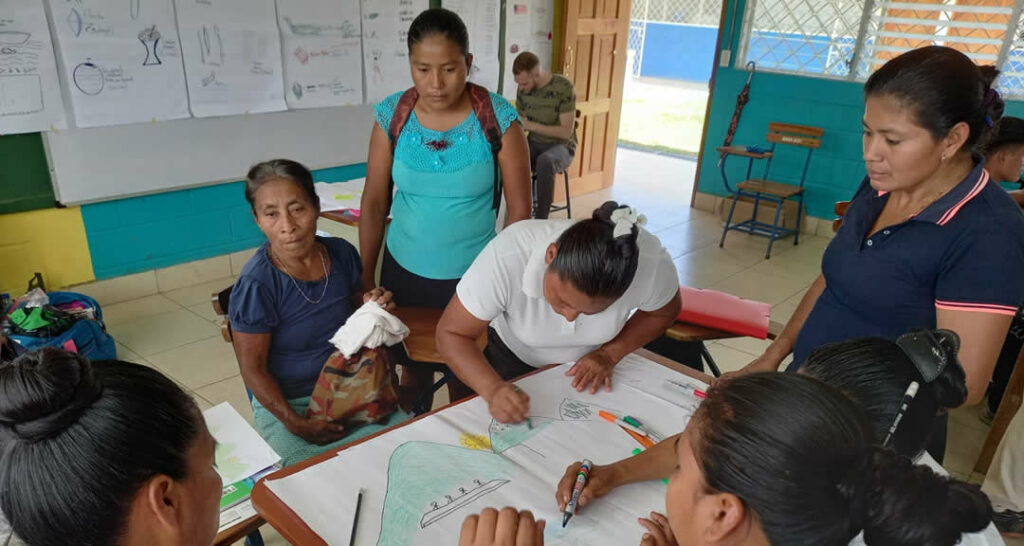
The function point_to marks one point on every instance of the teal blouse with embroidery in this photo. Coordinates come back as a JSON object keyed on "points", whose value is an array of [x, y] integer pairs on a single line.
{"points": [[442, 214]]}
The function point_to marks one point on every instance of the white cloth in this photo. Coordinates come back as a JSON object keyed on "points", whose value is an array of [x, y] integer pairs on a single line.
{"points": [[624, 220], [370, 326], [505, 287], [989, 536], [1004, 483]]}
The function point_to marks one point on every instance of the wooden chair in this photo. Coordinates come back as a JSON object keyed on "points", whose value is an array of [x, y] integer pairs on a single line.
{"points": [[762, 189], [840, 210], [1010, 405], [685, 332]]}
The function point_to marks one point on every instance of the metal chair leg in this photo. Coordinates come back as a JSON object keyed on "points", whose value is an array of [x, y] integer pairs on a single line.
{"points": [[254, 539], [568, 203], [728, 220], [709, 361], [775, 230], [799, 215]]}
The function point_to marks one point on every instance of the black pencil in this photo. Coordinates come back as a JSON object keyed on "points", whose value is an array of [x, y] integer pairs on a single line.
{"points": [[355, 518]]}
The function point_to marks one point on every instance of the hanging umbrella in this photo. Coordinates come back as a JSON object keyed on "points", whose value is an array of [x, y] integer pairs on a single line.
{"points": [[741, 101]]}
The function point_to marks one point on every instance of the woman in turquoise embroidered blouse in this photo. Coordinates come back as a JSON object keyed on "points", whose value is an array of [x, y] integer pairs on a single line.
{"points": [[443, 171]]}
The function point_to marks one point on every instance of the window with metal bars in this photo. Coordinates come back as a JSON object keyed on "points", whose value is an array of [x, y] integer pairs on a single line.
{"points": [[850, 39]]}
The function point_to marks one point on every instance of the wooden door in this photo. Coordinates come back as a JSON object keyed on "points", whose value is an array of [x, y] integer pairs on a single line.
{"points": [[594, 58]]}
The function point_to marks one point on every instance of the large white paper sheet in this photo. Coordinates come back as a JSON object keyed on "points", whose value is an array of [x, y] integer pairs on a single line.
{"points": [[120, 60], [385, 52], [483, 20], [528, 27], [423, 479], [30, 97], [322, 51], [340, 195], [241, 452], [232, 56]]}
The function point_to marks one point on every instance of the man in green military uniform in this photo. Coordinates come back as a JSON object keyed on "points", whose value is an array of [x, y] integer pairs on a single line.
{"points": [[547, 106]]}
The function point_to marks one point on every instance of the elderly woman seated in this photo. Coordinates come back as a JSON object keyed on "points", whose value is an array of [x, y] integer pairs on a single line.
{"points": [[290, 298]]}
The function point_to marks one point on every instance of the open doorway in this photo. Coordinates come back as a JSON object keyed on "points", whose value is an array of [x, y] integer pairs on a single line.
{"points": [[669, 64]]}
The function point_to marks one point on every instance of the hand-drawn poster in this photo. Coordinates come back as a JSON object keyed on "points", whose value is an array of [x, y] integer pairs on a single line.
{"points": [[422, 480], [322, 51], [483, 20], [232, 56], [385, 51], [121, 60], [528, 27], [29, 89]]}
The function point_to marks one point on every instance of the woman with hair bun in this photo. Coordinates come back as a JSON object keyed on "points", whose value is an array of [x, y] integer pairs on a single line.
{"points": [[103, 453], [927, 241], [781, 460], [555, 291]]}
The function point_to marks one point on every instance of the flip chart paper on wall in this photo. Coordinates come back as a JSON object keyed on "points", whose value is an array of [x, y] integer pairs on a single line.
{"points": [[30, 97], [528, 27], [422, 480], [232, 56], [483, 21], [385, 52], [322, 52], [120, 60]]}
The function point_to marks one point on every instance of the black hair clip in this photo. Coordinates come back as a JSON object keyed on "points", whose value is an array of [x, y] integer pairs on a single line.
{"points": [[928, 350]]}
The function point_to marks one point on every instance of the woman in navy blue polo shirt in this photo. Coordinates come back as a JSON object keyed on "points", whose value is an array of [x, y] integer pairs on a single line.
{"points": [[927, 241]]}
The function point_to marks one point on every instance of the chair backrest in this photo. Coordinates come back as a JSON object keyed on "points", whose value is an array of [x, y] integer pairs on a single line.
{"points": [[795, 135], [220, 302], [840, 209]]}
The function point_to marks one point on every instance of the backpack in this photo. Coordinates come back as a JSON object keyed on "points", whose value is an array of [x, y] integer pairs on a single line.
{"points": [[88, 338], [480, 99]]}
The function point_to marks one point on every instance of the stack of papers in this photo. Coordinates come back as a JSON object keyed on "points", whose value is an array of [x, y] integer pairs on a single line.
{"points": [[340, 195], [242, 457]]}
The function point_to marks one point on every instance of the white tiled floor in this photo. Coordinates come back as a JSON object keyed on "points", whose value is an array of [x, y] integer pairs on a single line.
{"points": [[177, 332]]}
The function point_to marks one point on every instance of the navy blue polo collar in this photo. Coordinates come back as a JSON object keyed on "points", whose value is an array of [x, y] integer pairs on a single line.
{"points": [[946, 207]]}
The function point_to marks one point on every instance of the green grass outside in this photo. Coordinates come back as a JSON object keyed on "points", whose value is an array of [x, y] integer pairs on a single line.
{"points": [[664, 123]]}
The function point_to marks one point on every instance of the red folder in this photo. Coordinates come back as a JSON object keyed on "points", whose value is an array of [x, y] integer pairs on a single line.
{"points": [[722, 311]]}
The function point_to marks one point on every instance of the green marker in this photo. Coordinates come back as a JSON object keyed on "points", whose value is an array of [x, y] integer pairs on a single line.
{"points": [[529, 422]]}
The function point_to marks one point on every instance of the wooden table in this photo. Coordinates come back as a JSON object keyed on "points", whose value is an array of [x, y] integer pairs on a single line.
{"points": [[295, 530]]}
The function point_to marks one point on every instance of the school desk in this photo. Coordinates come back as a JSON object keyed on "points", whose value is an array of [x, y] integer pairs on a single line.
{"points": [[295, 530]]}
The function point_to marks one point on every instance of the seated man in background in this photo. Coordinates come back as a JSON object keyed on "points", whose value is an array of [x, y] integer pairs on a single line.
{"points": [[547, 106]]}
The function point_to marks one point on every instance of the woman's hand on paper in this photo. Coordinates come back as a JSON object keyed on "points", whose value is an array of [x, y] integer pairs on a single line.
{"points": [[507, 403], [594, 370], [382, 296], [658, 531], [317, 432], [510, 527], [602, 479]]}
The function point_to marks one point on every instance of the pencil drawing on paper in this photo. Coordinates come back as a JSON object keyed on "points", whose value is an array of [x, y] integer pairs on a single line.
{"points": [[211, 47], [88, 78], [150, 38]]}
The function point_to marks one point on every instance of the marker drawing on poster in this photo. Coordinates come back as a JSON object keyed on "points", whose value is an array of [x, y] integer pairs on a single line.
{"points": [[232, 56], [322, 51], [29, 88], [385, 49], [121, 60]]}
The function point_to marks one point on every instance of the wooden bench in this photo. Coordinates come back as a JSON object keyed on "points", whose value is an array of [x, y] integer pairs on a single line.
{"points": [[685, 332]]}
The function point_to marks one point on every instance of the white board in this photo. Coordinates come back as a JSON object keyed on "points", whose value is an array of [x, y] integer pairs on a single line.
{"points": [[483, 21], [120, 60], [122, 161], [232, 56], [385, 51], [529, 26], [420, 481], [322, 51], [30, 97]]}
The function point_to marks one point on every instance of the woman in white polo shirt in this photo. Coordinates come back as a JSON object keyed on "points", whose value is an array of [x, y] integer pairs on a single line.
{"points": [[554, 291]]}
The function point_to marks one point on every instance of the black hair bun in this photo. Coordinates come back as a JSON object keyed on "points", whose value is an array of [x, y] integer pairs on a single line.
{"points": [[44, 392], [604, 212], [950, 387]]}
